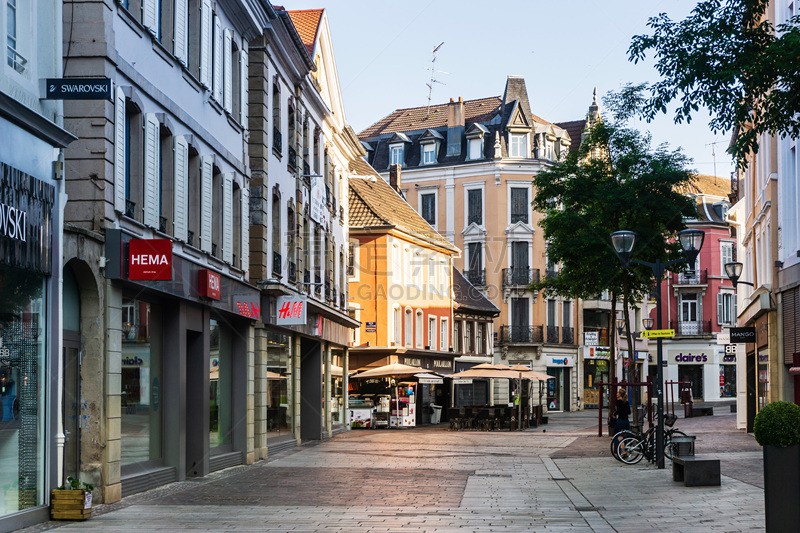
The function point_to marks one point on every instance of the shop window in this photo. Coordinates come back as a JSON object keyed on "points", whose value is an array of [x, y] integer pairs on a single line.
{"points": [[337, 387], [220, 386], [280, 389], [141, 419]]}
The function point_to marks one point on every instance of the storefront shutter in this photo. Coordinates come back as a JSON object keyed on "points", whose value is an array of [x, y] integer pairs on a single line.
{"points": [[150, 15], [227, 217], [791, 314], [119, 150], [227, 71], [206, 30], [243, 86], [181, 174], [245, 229], [181, 31], [206, 199], [151, 207], [217, 58]]}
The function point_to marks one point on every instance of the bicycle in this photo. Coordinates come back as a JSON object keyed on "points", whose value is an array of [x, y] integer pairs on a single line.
{"points": [[629, 447]]}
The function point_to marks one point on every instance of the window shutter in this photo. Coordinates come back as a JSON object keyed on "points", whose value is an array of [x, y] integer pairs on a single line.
{"points": [[150, 15], [217, 58], [227, 71], [151, 171], [720, 309], [181, 32], [243, 85], [227, 218], [181, 174], [205, 43], [245, 229], [119, 150], [206, 198]]}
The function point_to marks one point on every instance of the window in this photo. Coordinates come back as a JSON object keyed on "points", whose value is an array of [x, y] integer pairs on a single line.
{"points": [[409, 329], [476, 148], [409, 272], [566, 308], [726, 255], [428, 154], [15, 60], [443, 334], [475, 206], [519, 205], [397, 264], [481, 343], [419, 329], [351, 260], [726, 308], [431, 274], [475, 263], [432, 333], [518, 145], [469, 338], [457, 336], [396, 155], [277, 142], [428, 207], [398, 326], [551, 313]]}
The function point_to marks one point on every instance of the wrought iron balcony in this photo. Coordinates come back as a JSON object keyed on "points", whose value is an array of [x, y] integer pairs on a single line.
{"points": [[519, 277], [306, 169], [277, 139], [328, 294], [130, 208], [552, 334], [521, 334], [190, 238], [317, 284], [277, 262], [551, 273], [567, 335], [292, 157], [162, 224], [691, 327], [698, 277], [476, 277]]}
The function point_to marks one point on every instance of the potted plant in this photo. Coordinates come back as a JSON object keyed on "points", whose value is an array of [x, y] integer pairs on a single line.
{"points": [[72, 501], [777, 430]]}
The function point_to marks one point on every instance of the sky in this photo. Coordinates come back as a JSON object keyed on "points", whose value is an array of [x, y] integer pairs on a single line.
{"points": [[383, 52]]}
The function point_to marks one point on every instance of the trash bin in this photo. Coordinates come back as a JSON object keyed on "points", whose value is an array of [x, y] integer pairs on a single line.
{"points": [[436, 413], [684, 446]]}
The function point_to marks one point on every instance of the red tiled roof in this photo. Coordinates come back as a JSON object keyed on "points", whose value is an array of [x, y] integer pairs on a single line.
{"points": [[705, 184], [306, 22]]}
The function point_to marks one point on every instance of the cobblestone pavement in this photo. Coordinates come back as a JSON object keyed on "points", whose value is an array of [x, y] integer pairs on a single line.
{"points": [[559, 477]]}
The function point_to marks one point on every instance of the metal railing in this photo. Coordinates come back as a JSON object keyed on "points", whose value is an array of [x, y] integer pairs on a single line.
{"points": [[552, 334], [551, 273], [698, 277], [342, 300], [520, 277], [317, 284], [277, 139], [292, 157], [521, 334], [162, 224], [130, 208], [276, 263], [292, 272], [476, 277], [691, 327], [190, 238], [567, 335]]}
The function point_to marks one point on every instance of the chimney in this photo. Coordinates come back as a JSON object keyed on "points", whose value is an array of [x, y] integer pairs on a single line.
{"points": [[455, 126], [394, 177]]}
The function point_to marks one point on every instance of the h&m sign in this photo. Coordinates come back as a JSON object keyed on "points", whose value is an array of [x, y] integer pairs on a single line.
{"points": [[291, 310]]}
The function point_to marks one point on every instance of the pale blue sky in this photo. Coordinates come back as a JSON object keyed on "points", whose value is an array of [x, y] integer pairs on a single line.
{"points": [[563, 49]]}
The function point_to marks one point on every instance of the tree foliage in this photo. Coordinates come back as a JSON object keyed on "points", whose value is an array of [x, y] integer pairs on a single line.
{"points": [[727, 57]]}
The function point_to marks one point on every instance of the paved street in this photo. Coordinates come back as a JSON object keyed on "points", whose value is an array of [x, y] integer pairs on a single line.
{"points": [[557, 478]]}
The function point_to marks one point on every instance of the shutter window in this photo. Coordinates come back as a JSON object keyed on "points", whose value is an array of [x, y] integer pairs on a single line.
{"points": [[205, 43], [206, 199], [181, 31], [150, 16], [245, 229], [119, 150], [217, 58], [791, 330], [152, 159], [227, 71], [720, 309], [227, 218], [181, 174], [243, 86]]}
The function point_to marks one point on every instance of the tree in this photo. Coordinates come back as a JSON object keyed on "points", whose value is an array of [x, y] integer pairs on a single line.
{"points": [[615, 181], [727, 57]]}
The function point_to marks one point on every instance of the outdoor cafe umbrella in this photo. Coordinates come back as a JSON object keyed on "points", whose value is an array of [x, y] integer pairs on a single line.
{"points": [[541, 376], [389, 371]]}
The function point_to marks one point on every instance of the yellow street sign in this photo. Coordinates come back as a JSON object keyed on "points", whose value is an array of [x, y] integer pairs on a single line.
{"points": [[658, 333]]}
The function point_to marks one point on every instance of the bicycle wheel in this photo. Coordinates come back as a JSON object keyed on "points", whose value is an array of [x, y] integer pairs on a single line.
{"points": [[617, 438], [670, 448], [630, 450]]}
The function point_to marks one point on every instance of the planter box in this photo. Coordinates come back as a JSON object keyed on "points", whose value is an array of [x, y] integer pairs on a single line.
{"points": [[782, 488], [70, 504]]}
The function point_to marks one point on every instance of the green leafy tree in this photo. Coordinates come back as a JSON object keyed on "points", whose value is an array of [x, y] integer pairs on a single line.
{"points": [[615, 181], [727, 57]]}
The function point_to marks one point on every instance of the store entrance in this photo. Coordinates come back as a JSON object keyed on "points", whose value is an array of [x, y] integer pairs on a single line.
{"points": [[694, 375], [556, 389], [71, 404], [311, 398]]}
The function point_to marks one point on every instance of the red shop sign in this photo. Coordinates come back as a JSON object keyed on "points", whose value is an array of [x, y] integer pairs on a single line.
{"points": [[209, 284], [150, 259]]}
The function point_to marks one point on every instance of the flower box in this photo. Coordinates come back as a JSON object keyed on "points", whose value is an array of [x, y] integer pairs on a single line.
{"points": [[68, 504]]}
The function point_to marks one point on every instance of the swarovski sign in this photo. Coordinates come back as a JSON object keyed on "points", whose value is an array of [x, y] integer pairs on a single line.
{"points": [[13, 222]]}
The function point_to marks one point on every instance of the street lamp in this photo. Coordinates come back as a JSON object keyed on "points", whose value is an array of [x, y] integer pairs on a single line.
{"points": [[647, 323], [691, 242], [733, 271]]}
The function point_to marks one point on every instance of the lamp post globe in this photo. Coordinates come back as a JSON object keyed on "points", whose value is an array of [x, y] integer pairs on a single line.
{"points": [[647, 323], [623, 243], [691, 242], [733, 271]]}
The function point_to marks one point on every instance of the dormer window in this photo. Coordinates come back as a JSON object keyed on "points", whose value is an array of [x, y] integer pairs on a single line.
{"points": [[428, 154], [396, 155], [476, 149], [475, 135], [518, 145], [429, 143]]}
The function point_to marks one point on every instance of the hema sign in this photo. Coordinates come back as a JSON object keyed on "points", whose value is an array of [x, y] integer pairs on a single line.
{"points": [[150, 259]]}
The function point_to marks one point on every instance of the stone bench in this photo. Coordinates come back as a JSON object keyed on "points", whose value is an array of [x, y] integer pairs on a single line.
{"points": [[701, 411], [696, 471]]}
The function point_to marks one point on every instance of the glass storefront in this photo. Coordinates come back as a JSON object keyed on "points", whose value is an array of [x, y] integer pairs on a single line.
{"points": [[727, 381], [763, 378], [337, 387], [594, 371], [23, 333], [141, 424], [280, 393], [554, 389], [220, 384]]}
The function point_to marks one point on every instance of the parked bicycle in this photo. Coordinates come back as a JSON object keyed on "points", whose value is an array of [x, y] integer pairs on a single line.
{"points": [[630, 447]]}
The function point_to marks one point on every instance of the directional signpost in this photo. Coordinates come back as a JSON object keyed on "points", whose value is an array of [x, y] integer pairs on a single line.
{"points": [[656, 333]]}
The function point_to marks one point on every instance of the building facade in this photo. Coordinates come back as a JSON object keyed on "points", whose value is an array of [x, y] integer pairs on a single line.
{"points": [[467, 169], [32, 200], [158, 350]]}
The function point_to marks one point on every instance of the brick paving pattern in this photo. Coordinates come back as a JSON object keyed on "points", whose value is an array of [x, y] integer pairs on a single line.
{"points": [[556, 478]]}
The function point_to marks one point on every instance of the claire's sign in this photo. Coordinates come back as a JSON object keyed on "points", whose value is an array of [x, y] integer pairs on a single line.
{"points": [[150, 259], [209, 283]]}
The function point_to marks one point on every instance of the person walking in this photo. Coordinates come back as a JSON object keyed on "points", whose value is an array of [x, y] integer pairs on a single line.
{"points": [[622, 411]]}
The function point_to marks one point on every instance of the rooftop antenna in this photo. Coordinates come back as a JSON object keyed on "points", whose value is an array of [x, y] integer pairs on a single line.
{"points": [[433, 78], [714, 155]]}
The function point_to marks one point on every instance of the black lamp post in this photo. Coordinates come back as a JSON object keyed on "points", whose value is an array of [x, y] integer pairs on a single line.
{"points": [[691, 242], [733, 271]]}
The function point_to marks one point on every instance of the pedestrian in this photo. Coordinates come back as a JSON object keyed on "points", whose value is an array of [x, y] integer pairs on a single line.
{"points": [[623, 411]]}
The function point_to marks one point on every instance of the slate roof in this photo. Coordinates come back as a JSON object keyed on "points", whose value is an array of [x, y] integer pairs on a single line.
{"points": [[307, 22], [373, 202], [469, 299]]}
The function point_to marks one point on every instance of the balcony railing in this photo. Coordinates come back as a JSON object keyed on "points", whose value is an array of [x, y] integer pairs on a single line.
{"points": [[567, 335], [521, 334], [130, 208], [317, 284], [292, 272], [162, 224], [306, 169], [691, 327], [190, 238], [698, 277], [519, 277], [306, 281], [277, 139], [292, 158], [276, 263], [476, 277], [551, 273], [552, 334], [342, 300]]}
